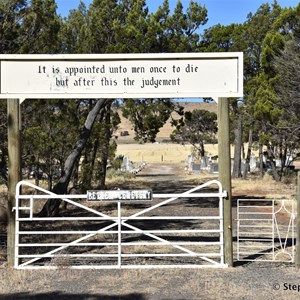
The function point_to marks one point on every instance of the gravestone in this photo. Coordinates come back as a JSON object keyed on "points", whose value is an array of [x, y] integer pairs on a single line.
{"points": [[214, 168], [126, 165], [196, 168], [253, 163]]}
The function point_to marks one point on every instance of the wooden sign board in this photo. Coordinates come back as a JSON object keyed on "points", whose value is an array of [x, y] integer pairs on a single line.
{"points": [[175, 75]]}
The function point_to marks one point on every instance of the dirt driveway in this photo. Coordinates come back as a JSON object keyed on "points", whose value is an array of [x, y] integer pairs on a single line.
{"points": [[161, 173]]}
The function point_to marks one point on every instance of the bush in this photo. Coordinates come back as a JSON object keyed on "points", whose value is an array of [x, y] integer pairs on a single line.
{"points": [[290, 177], [112, 173]]}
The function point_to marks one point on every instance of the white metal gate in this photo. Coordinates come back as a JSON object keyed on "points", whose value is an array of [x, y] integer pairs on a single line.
{"points": [[266, 230], [122, 234]]}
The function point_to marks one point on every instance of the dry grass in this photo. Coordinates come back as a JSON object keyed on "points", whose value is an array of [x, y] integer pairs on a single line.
{"points": [[211, 284], [164, 152], [264, 187], [160, 152], [3, 194]]}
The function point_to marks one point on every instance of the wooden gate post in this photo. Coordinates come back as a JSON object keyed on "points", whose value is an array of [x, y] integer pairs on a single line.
{"points": [[14, 171], [298, 223], [225, 175]]}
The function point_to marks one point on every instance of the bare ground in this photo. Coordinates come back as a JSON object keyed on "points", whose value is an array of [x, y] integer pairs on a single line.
{"points": [[254, 280]]}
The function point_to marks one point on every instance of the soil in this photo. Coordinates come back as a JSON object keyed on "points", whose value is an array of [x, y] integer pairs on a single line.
{"points": [[246, 280]]}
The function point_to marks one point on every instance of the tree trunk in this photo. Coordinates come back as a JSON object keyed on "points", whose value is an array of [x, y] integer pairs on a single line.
{"points": [[273, 165], [202, 150], [283, 157], [87, 166], [50, 181], [261, 161], [36, 174], [93, 160], [105, 148], [236, 172], [51, 207], [250, 142]]}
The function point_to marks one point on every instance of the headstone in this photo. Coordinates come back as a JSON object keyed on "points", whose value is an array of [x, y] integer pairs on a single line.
{"points": [[243, 166], [190, 160], [126, 165], [196, 168], [214, 168], [289, 160], [205, 161], [253, 163], [278, 163]]}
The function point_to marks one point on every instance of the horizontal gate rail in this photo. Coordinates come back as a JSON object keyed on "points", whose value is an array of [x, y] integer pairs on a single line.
{"points": [[117, 241]]}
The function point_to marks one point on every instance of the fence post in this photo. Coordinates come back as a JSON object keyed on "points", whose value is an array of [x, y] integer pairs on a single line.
{"points": [[225, 175], [298, 223], [14, 171]]}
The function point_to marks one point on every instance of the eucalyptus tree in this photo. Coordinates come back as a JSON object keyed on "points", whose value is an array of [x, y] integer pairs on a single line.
{"points": [[100, 149], [148, 116], [197, 128], [128, 27], [51, 208]]}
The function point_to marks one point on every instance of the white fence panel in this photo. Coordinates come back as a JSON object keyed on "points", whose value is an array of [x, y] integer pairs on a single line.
{"points": [[266, 230]]}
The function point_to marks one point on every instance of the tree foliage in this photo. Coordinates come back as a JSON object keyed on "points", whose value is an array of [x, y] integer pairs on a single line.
{"points": [[11, 16], [277, 95], [267, 114], [148, 116], [197, 128]]}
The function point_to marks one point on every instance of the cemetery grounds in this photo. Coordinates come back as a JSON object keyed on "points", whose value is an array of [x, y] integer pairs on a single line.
{"points": [[163, 173]]}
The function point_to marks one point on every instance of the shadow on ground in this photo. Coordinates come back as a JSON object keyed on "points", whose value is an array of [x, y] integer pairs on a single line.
{"points": [[59, 296]]}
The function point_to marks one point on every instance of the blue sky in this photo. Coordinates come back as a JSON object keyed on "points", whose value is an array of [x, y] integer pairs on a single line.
{"points": [[224, 12]]}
